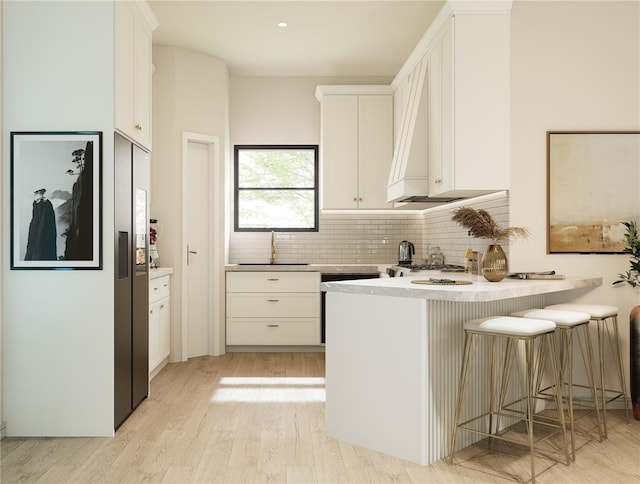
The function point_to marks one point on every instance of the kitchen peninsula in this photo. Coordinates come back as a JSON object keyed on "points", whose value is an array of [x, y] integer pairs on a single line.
{"points": [[393, 355]]}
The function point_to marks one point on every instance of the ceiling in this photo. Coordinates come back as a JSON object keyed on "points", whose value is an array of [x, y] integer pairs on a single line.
{"points": [[362, 38]]}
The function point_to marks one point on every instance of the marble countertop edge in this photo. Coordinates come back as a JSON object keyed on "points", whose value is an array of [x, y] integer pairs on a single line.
{"points": [[478, 291], [159, 272]]}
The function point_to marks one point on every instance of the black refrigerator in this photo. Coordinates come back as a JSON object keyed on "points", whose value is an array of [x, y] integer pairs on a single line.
{"points": [[131, 328]]}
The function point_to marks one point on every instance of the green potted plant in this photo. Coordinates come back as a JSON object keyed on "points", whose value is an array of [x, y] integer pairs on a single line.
{"points": [[632, 277]]}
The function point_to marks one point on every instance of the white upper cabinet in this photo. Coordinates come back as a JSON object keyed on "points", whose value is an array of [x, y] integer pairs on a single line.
{"points": [[468, 72], [452, 126], [356, 145], [134, 24]]}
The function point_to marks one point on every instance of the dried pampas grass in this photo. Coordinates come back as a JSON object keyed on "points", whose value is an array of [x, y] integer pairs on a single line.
{"points": [[482, 225]]}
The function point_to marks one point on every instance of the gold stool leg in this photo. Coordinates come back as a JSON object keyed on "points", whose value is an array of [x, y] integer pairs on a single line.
{"points": [[468, 342], [615, 347], [603, 395], [507, 366], [558, 391], [529, 350], [584, 340], [566, 377]]}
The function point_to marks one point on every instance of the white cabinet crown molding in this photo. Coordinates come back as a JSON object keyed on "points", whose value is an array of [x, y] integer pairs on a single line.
{"points": [[352, 90], [449, 9], [143, 9]]}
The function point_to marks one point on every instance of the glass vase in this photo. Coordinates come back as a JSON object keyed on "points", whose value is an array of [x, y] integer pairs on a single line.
{"points": [[154, 257], [494, 263]]}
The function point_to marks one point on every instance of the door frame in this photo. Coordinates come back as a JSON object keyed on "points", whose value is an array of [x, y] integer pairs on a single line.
{"points": [[216, 343]]}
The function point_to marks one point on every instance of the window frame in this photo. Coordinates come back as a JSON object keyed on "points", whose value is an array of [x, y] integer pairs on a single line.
{"points": [[237, 189]]}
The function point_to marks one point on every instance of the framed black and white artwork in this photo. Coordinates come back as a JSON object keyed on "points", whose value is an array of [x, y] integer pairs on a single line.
{"points": [[56, 205]]}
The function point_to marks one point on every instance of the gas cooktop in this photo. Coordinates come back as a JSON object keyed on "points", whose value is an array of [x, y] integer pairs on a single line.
{"points": [[434, 267]]}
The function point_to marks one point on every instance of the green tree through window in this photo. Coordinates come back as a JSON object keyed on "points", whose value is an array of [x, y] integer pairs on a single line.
{"points": [[276, 187]]}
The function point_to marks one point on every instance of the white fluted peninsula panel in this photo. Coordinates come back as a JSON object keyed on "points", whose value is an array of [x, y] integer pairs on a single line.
{"points": [[393, 357]]}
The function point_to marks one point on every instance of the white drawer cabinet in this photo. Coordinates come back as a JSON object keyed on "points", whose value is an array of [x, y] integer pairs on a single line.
{"points": [[273, 308], [273, 282], [159, 321], [256, 331]]}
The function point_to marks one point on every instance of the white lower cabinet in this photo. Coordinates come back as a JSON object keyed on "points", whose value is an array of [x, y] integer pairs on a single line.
{"points": [[159, 321], [273, 308]]}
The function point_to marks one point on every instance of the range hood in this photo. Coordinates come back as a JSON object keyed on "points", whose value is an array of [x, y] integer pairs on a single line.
{"points": [[474, 116], [408, 179]]}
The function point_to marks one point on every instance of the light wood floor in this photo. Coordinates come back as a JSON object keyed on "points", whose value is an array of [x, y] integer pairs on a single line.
{"points": [[260, 417]]}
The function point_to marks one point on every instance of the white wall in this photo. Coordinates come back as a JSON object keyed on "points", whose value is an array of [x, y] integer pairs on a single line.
{"points": [[190, 93], [574, 66], [280, 110], [58, 325]]}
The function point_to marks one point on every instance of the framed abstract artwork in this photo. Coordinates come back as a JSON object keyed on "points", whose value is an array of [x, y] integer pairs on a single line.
{"points": [[56, 206], [593, 185]]}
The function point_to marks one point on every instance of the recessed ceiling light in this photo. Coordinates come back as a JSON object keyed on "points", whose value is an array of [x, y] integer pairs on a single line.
{"points": [[282, 24]]}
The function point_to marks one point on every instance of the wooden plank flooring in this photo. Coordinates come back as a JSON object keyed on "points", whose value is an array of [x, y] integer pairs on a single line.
{"points": [[260, 417]]}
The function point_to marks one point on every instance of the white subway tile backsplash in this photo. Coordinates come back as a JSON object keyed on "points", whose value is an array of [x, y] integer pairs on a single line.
{"points": [[371, 238]]}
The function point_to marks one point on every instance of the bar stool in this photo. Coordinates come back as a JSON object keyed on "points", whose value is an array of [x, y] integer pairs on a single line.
{"points": [[568, 322], [606, 318], [512, 330]]}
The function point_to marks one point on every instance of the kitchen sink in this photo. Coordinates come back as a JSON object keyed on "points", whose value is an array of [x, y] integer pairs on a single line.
{"points": [[274, 264]]}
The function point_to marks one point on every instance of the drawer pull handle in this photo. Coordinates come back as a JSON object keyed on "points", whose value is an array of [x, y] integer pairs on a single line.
{"points": [[273, 279], [156, 288], [161, 306], [273, 300], [273, 325], [166, 285]]}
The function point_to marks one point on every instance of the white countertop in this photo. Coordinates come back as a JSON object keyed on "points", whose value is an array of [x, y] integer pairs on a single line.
{"points": [[159, 272], [479, 290]]}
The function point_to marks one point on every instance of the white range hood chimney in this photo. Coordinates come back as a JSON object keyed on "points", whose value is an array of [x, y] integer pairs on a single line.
{"points": [[408, 179], [468, 44], [410, 164]]}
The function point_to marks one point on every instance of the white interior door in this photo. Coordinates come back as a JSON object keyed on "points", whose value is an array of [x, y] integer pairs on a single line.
{"points": [[197, 223]]}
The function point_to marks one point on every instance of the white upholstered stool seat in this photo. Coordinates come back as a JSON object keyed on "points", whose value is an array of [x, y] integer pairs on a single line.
{"points": [[508, 325], [594, 310], [606, 319], [568, 322], [506, 334], [561, 318]]}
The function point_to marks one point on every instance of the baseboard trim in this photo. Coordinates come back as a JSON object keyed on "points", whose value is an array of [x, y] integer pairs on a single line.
{"points": [[275, 349]]}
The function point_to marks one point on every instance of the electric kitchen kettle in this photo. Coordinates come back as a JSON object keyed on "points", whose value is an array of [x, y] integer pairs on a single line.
{"points": [[405, 251]]}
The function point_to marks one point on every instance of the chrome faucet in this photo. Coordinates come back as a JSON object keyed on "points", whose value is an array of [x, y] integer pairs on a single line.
{"points": [[272, 259]]}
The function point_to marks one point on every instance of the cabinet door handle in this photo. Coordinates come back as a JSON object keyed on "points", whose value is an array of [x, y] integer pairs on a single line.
{"points": [[189, 251], [438, 181], [273, 300], [161, 306], [273, 279], [155, 288], [151, 312], [355, 199], [273, 325], [138, 127]]}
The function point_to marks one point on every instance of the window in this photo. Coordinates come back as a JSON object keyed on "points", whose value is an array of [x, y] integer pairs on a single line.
{"points": [[276, 188]]}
